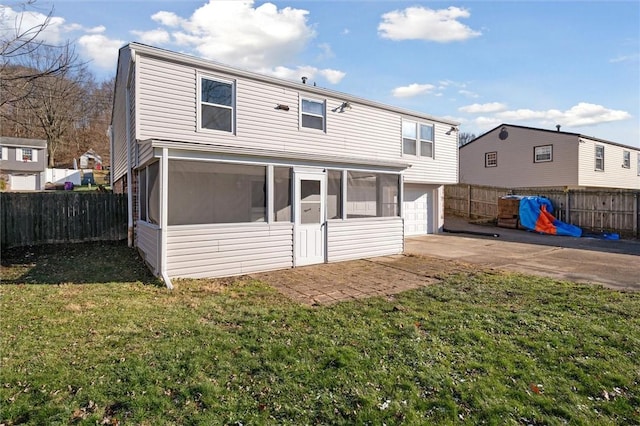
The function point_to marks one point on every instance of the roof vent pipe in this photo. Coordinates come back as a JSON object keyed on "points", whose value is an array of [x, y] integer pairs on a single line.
{"points": [[558, 127], [304, 80]]}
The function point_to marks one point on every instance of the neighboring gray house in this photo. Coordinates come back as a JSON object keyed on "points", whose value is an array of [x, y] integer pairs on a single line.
{"points": [[23, 163], [519, 157], [231, 172]]}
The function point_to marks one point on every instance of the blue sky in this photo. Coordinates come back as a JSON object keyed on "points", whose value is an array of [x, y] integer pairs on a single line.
{"points": [[483, 63]]}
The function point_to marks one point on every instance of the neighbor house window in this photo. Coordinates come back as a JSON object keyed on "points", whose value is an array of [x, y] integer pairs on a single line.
{"points": [[216, 104], [543, 154], [491, 159], [626, 159], [202, 192], [28, 154], [599, 157], [312, 114], [372, 194]]}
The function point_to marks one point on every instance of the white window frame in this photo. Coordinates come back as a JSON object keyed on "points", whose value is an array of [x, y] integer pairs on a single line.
{"points": [[626, 159], [598, 157], [638, 164], [323, 116], [4, 153], [487, 160], [20, 155], [431, 141], [418, 140], [201, 102], [541, 159]]}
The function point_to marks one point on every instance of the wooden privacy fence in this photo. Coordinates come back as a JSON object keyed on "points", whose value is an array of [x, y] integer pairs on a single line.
{"points": [[592, 209], [60, 217]]}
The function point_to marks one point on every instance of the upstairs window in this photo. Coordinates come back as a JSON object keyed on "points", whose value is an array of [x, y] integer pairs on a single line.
{"points": [[638, 164], [543, 154], [417, 139], [312, 114], [626, 159], [409, 138], [599, 158], [216, 104], [26, 154], [426, 140], [491, 159]]}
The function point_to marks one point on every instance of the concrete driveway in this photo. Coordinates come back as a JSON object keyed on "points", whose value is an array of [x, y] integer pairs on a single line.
{"points": [[615, 264]]}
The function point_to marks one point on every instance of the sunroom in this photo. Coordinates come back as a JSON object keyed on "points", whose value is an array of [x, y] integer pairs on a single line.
{"points": [[212, 215]]}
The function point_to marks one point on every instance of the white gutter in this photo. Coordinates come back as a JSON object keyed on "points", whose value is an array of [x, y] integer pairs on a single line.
{"points": [[128, 144], [164, 205]]}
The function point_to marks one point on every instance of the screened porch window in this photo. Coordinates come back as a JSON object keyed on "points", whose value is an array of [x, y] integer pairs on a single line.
{"points": [[149, 194], [372, 195], [282, 194], [203, 192], [334, 194]]}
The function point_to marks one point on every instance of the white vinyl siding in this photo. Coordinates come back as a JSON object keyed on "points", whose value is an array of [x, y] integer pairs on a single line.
{"points": [[357, 239], [167, 110], [515, 166], [199, 251], [119, 119], [613, 175], [148, 242]]}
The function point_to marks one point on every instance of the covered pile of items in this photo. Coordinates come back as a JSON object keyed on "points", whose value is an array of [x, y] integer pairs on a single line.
{"points": [[534, 214]]}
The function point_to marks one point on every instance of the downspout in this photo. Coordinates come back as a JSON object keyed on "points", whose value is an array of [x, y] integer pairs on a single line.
{"points": [[110, 134], [128, 144], [164, 205]]}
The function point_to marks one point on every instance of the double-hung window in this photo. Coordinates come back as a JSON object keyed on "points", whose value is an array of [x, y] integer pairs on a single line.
{"points": [[409, 138], [491, 159], [543, 154], [599, 158], [217, 100], [626, 159], [312, 114], [417, 139], [26, 154]]}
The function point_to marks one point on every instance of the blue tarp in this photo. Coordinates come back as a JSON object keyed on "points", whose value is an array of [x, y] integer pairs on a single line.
{"points": [[536, 214]]}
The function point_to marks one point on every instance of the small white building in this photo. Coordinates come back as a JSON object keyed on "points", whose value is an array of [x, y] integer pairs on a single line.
{"points": [[90, 160], [520, 157], [231, 172]]}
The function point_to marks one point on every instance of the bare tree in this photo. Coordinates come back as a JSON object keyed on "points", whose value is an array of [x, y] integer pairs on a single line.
{"points": [[464, 138], [19, 43]]}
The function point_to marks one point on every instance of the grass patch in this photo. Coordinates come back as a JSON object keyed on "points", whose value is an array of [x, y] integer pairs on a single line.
{"points": [[492, 348]]}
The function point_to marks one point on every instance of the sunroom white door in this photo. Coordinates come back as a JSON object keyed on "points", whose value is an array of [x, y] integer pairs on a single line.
{"points": [[309, 226]]}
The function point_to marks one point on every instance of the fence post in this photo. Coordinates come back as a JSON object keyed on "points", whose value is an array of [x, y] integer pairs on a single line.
{"points": [[469, 201], [567, 209], [636, 214]]}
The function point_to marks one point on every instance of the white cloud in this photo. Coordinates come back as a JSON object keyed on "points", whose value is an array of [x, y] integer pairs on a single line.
{"points": [[411, 90], [153, 37], [483, 108], [236, 33], [327, 52], [468, 93], [582, 114], [102, 50], [296, 74], [422, 23], [625, 58], [17, 22]]}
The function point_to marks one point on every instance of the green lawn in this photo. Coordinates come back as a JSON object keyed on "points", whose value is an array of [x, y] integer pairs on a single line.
{"points": [[490, 348]]}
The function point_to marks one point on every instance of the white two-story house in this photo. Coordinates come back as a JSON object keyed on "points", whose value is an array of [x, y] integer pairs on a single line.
{"points": [[232, 172], [511, 156]]}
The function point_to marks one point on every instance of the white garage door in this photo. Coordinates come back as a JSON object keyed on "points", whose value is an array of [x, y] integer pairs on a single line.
{"points": [[23, 183], [417, 207]]}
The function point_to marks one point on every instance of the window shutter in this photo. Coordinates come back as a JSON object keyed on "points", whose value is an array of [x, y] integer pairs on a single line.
{"points": [[5, 153], [35, 155], [18, 154]]}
